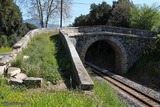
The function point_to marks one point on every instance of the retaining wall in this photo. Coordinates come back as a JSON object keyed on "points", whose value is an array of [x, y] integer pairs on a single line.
{"points": [[80, 77]]}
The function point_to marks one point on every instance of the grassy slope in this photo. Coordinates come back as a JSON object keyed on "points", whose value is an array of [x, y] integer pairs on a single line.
{"points": [[47, 58], [104, 96], [5, 49], [48, 54], [147, 69]]}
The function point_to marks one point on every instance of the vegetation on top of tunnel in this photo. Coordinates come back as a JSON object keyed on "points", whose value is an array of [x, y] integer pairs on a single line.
{"points": [[47, 58]]}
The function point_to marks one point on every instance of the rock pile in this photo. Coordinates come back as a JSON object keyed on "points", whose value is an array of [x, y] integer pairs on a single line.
{"points": [[16, 77]]}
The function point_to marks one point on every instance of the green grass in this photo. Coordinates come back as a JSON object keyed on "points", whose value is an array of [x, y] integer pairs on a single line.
{"points": [[5, 50], [107, 96], [48, 56], [104, 96]]}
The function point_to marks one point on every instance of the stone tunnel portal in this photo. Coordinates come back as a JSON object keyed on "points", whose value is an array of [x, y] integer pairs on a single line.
{"points": [[102, 55], [107, 53]]}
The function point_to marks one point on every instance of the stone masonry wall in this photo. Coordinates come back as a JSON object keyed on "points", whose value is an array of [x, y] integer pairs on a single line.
{"points": [[104, 28], [129, 44], [134, 47]]}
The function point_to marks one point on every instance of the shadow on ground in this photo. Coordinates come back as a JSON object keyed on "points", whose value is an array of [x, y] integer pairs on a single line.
{"points": [[63, 61]]}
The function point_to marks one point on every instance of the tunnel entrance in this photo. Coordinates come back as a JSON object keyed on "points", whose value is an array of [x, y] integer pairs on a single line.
{"points": [[102, 55]]}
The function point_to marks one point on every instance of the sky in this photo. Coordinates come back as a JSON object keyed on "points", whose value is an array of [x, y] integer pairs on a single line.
{"points": [[83, 7]]}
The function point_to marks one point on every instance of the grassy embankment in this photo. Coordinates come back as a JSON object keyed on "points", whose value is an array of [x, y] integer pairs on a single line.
{"points": [[150, 61], [47, 56], [5, 50], [147, 69]]}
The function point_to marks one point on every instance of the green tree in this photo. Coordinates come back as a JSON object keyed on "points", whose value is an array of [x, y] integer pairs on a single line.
{"points": [[99, 15], [82, 20], [120, 15], [10, 17], [145, 17]]}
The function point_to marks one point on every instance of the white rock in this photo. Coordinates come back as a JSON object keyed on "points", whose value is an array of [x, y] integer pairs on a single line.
{"points": [[21, 76], [13, 71], [2, 69], [25, 57], [15, 81], [1, 56]]}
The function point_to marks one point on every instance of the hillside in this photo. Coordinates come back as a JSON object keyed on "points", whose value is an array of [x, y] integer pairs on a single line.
{"points": [[35, 22]]}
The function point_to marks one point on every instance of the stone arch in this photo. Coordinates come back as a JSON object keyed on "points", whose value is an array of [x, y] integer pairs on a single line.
{"points": [[120, 52]]}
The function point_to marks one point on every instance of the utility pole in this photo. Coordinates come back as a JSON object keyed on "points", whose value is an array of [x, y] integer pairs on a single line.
{"points": [[61, 13]]}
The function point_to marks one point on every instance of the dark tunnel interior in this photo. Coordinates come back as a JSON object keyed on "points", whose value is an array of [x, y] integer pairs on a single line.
{"points": [[102, 55]]}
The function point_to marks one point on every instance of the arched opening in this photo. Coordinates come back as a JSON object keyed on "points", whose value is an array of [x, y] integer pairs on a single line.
{"points": [[102, 54]]}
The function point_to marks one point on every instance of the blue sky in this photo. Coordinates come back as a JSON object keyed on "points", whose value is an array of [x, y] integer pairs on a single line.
{"points": [[78, 9]]}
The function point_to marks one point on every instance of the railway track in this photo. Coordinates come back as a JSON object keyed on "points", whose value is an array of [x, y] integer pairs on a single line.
{"points": [[143, 98]]}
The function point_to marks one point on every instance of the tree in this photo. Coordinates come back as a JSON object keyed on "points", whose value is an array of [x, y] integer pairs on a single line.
{"points": [[120, 15], [45, 10], [145, 17], [82, 20], [10, 17], [99, 15]]}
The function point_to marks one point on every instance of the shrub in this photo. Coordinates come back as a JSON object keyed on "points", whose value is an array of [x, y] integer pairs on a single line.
{"points": [[10, 17], [3, 41], [145, 17]]}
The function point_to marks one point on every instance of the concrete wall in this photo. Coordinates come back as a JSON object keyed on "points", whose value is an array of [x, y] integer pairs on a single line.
{"points": [[80, 77]]}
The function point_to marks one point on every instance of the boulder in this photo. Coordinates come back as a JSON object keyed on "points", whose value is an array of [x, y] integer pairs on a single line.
{"points": [[12, 71], [5, 60], [21, 76], [3, 69], [1, 56], [14, 81]]}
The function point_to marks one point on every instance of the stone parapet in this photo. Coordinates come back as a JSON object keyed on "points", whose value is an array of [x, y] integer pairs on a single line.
{"points": [[80, 77], [105, 28]]}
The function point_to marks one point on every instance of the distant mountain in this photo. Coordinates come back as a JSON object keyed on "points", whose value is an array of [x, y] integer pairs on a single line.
{"points": [[35, 21]]}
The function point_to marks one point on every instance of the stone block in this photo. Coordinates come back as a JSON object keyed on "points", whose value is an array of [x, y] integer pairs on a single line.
{"points": [[21, 76], [17, 45], [3, 69], [14, 81], [5, 60], [33, 82], [13, 56], [13, 71], [1, 56]]}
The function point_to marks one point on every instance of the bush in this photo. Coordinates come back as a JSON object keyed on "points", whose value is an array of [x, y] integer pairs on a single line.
{"points": [[3, 41], [145, 17], [10, 17], [25, 28]]}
